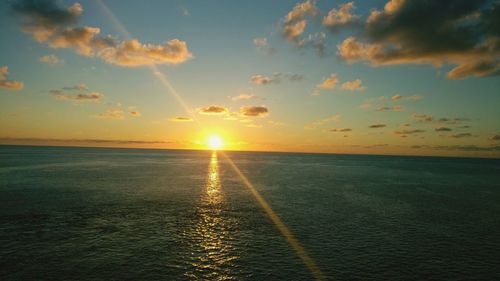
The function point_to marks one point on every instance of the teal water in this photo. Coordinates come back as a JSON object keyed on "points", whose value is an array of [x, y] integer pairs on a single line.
{"points": [[126, 214]]}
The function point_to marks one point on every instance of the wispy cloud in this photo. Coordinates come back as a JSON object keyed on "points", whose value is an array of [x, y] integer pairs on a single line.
{"points": [[263, 46], [7, 83], [461, 135], [400, 97], [111, 114], [354, 85], [181, 119], [408, 132], [275, 78], [321, 122], [422, 117], [243, 96], [391, 108], [51, 59], [339, 130], [82, 94]]}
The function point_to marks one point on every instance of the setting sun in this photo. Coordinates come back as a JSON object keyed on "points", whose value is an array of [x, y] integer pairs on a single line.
{"points": [[215, 142]]}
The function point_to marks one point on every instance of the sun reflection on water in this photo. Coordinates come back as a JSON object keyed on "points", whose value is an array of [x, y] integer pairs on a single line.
{"points": [[213, 253]]}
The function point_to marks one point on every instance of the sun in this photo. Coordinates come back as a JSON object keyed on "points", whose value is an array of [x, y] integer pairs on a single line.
{"points": [[215, 142]]}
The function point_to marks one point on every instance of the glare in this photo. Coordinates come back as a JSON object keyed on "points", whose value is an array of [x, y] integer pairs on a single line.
{"points": [[215, 142]]}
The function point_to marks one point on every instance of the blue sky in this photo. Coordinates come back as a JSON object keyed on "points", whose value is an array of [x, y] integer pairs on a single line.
{"points": [[228, 43]]}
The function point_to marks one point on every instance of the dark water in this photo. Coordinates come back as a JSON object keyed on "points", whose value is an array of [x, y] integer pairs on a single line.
{"points": [[122, 214]]}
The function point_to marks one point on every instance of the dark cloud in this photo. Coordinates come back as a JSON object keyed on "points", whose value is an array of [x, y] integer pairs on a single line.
{"points": [[83, 94], [408, 132], [254, 111], [422, 117], [47, 13], [443, 129], [463, 33], [495, 138], [461, 135], [469, 147], [213, 110], [377, 126], [391, 108], [275, 78], [96, 141], [181, 119], [335, 130]]}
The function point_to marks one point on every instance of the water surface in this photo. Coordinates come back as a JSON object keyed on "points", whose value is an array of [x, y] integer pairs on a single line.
{"points": [[130, 214]]}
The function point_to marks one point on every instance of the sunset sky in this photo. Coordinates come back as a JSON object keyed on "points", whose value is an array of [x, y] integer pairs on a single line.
{"points": [[381, 77]]}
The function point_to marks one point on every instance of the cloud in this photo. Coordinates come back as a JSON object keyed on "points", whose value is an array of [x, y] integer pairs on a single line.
{"points": [[329, 83], [213, 110], [264, 80], [408, 132], [134, 113], [276, 123], [78, 87], [462, 33], [54, 25], [260, 42], [340, 130], [243, 96], [252, 125], [340, 17], [254, 111], [461, 135], [443, 129], [318, 123], [97, 141], [300, 11], [293, 30], [263, 46], [51, 59], [275, 78], [314, 40], [391, 108], [83, 94], [376, 126], [294, 77], [354, 85], [181, 119], [112, 114], [469, 147], [84, 97], [452, 121], [295, 22], [422, 117], [9, 84], [400, 97]]}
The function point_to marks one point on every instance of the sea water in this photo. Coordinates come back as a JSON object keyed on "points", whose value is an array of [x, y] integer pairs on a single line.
{"points": [[137, 214]]}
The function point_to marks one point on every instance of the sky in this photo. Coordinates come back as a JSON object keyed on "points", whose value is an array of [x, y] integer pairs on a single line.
{"points": [[401, 77]]}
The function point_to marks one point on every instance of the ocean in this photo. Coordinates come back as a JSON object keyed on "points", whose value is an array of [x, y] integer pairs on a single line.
{"points": [[137, 214]]}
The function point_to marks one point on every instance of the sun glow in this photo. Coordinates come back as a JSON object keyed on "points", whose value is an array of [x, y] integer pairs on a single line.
{"points": [[215, 142]]}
